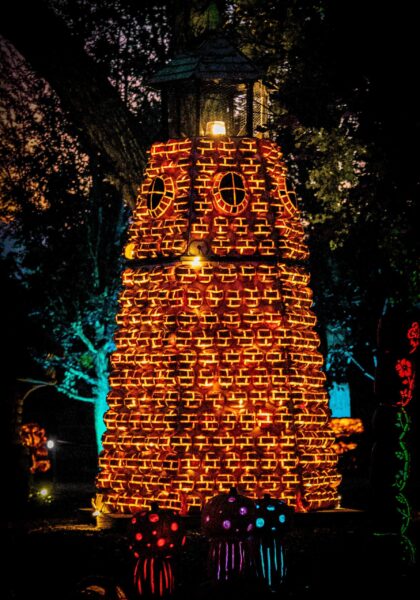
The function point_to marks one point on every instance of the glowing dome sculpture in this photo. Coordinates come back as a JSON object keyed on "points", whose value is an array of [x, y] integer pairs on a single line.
{"points": [[216, 378]]}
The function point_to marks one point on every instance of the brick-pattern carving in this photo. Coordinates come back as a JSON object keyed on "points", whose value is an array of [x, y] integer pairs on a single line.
{"points": [[217, 379]]}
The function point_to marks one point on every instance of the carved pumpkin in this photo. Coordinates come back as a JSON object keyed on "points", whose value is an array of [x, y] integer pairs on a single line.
{"points": [[272, 517], [228, 516], [228, 521], [272, 520], [156, 535]]}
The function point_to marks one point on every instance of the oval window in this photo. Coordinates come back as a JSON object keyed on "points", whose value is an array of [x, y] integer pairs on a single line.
{"points": [[281, 190], [291, 193], [159, 196], [231, 195]]}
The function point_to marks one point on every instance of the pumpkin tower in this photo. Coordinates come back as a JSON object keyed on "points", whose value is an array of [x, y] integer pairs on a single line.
{"points": [[216, 378]]}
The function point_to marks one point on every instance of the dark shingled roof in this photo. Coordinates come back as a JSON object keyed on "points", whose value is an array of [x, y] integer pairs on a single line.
{"points": [[216, 58]]}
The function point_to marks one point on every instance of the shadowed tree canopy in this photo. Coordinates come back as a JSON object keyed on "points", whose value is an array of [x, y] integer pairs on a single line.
{"points": [[55, 197], [103, 123]]}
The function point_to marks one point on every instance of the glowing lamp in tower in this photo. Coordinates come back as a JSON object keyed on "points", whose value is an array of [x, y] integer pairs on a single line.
{"points": [[213, 91], [216, 128], [216, 379]]}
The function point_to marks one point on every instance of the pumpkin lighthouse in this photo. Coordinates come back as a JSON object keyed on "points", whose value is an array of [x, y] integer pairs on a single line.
{"points": [[216, 378]]}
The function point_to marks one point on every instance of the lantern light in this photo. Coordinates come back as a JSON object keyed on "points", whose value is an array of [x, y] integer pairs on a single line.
{"points": [[216, 128], [196, 261], [214, 91]]}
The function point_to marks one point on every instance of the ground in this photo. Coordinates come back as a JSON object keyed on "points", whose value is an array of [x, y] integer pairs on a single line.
{"points": [[52, 547]]}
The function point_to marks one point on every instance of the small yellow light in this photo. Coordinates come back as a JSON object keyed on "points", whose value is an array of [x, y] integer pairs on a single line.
{"points": [[216, 128], [43, 492], [129, 251], [196, 261]]}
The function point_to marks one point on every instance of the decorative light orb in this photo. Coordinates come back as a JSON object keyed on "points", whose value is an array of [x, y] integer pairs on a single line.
{"points": [[260, 522], [227, 524], [216, 128], [50, 444], [196, 261], [44, 494]]}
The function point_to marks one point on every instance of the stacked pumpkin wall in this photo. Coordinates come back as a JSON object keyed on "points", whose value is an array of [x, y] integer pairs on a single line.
{"points": [[217, 379]]}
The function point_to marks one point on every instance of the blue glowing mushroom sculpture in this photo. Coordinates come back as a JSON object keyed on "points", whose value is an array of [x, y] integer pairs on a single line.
{"points": [[272, 521]]}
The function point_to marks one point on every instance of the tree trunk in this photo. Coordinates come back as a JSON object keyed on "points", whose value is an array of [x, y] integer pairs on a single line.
{"points": [[105, 125], [100, 403], [100, 408]]}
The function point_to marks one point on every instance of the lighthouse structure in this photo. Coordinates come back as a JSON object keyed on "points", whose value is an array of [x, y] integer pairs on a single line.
{"points": [[216, 379]]}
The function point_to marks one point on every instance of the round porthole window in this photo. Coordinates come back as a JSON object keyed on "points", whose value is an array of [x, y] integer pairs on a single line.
{"points": [[159, 196], [231, 195]]}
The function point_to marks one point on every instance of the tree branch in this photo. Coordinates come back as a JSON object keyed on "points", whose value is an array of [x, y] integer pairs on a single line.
{"points": [[81, 375], [73, 395], [78, 329], [359, 366]]}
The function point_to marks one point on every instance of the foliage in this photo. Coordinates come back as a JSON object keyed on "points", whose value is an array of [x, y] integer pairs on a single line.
{"points": [[335, 114], [129, 40], [63, 227]]}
